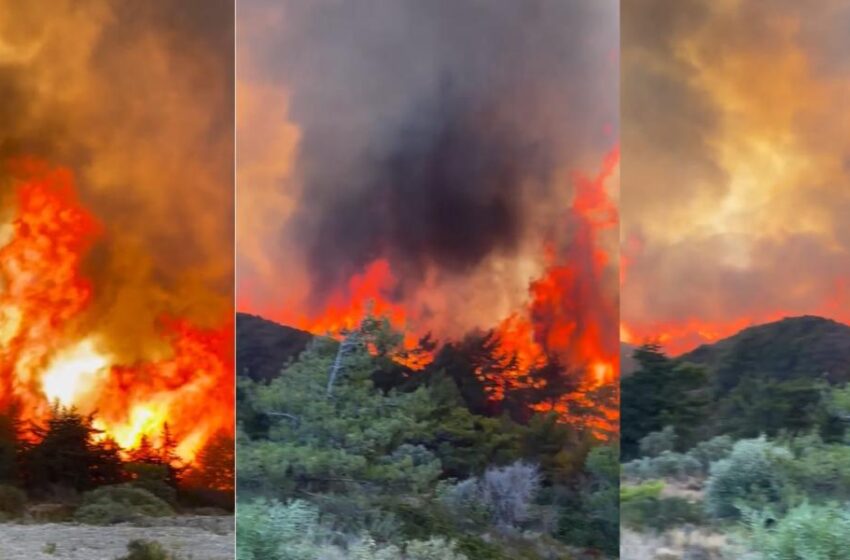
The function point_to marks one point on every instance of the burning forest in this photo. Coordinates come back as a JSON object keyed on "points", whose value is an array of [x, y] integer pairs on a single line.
{"points": [[430, 190], [470, 201], [53, 352], [116, 311]]}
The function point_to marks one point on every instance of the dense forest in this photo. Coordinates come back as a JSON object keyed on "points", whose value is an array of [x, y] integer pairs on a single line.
{"points": [[347, 453], [740, 448], [64, 469]]}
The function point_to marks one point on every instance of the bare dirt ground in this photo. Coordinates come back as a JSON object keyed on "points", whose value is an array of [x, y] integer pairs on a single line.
{"points": [[190, 538]]}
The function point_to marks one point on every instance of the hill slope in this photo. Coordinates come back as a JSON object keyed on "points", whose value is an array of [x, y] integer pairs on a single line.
{"points": [[263, 346], [793, 348]]}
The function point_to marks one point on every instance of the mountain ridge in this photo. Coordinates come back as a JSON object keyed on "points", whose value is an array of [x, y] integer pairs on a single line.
{"points": [[263, 346], [805, 346]]}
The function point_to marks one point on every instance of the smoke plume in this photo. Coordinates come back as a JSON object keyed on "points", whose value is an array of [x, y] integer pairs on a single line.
{"points": [[437, 138]]}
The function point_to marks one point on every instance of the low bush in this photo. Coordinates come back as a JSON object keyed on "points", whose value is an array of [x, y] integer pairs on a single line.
{"points": [[146, 550], [643, 507], [120, 503], [755, 475], [271, 530], [807, 532], [656, 443], [154, 479], [668, 464], [503, 497], [822, 471], [435, 548], [712, 450], [13, 501]]}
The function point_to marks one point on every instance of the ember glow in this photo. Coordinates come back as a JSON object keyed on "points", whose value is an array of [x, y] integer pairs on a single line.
{"points": [[50, 353]]}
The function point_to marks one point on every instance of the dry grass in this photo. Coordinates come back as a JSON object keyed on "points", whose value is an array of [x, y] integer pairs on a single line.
{"points": [[691, 490], [677, 544]]}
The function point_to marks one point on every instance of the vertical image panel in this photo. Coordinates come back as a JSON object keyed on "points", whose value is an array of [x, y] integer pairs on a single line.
{"points": [[116, 279], [735, 310], [427, 279]]}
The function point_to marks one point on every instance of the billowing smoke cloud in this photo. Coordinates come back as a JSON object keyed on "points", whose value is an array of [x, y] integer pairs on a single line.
{"points": [[736, 184], [136, 99], [447, 193], [439, 136]]}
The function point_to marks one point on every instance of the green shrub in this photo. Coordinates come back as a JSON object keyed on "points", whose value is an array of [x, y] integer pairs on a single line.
{"points": [[660, 514], [13, 501], [638, 470], [120, 503], [754, 475], [270, 530], [578, 526], [146, 550], [643, 507], [476, 548], [656, 443], [668, 464], [712, 450], [419, 520], [807, 532], [503, 497], [646, 491], [154, 479], [677, 466], [435, 548], [822, 472]]}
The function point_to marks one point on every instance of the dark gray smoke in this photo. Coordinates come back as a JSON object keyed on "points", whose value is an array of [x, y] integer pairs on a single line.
{"points": [[432, 132], [446, 192]]}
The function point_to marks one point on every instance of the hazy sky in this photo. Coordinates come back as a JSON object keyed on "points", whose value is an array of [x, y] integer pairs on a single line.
{"points": [[735, 166]]}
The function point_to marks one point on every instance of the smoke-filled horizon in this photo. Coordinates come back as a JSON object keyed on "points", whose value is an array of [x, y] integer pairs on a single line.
{"points": [[434, 141], [736, 185]]}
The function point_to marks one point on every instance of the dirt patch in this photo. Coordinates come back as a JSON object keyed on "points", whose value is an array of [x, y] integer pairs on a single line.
{"points": [[191, 538]]}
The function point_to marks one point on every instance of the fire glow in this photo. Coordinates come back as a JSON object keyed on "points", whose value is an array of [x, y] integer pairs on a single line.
{"points": [[688, 333], [569, 312], [49, 355]]}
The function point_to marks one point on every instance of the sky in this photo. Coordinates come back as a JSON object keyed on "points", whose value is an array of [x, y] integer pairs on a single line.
{"points": [[735, 166]]}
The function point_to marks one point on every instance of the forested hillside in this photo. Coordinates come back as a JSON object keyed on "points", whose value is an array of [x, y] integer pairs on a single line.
{"points": [[740, 447], [349, 454]]}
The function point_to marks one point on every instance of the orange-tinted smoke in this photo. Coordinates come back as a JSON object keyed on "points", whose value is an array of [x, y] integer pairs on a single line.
{"points": [[687, 333]]}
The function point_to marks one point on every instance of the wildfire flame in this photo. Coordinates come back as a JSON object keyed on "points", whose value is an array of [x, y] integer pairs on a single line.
{"points": [[44, 298], [568, 315]]}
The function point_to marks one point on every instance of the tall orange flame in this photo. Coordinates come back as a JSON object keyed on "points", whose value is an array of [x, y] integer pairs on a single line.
{"points": [[571, 312], [45, 356], [571, 316]]}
